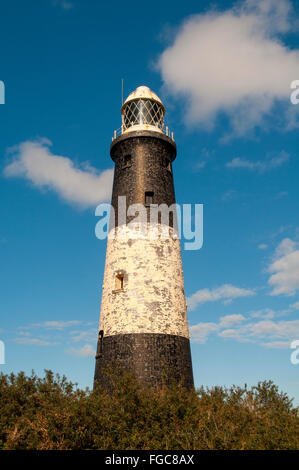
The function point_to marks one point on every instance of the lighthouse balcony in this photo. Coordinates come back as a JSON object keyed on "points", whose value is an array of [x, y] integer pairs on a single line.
{"points": [[143, 127]]}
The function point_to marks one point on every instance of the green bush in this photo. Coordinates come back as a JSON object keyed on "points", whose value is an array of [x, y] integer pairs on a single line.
{"points": [[52, 413]]}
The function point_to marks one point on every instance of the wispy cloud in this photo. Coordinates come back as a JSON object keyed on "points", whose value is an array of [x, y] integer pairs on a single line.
{"points": [[284, 269], [281, 194], [64, 4], [52, 325], [266, 333], [203, 158], [200, 332], [261, 166], [233, 62], [34, 161], [229, 195], [33, 341], [262, 246], [227, 292], [58, 332], [84, 335], [229, 320], [264, 313], [85, 351], [232, 333], [269, 313], [277, 345], [295, 306], [269, 328]]}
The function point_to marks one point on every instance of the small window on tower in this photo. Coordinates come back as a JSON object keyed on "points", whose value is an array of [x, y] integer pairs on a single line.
{"points": [[101, 334], [149, 198], [168, 164], [119, 281], [127, 161]]}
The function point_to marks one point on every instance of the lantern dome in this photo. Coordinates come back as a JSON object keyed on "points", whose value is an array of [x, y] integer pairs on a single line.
{"points": [[143, 110]]}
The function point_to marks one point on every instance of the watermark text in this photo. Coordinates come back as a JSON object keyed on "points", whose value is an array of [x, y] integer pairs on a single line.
{"points": [[295, 354], [295, 94], [2, 92], [153, 221]]}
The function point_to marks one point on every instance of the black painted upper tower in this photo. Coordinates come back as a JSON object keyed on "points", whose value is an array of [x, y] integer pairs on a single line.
{"points": [[143, 320]]}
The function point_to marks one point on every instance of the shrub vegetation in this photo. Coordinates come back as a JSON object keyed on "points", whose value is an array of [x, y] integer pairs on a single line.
{"points": [[52, 413]]}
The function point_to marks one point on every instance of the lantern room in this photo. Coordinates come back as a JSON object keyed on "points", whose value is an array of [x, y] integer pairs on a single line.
{"points": [[142, 110]]}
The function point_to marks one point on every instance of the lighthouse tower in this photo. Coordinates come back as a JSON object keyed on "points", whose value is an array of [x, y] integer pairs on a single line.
{"points": [[143, 320]]}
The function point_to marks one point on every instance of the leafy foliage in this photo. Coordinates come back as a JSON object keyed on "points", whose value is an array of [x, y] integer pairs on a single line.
{"points": [[52, 413]]}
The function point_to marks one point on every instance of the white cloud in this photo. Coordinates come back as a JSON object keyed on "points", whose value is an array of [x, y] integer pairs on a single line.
{"points": [[33, 341], [85, 351], [201, 331], [233, 62], [52, 325], [261, 166], [264, 313], [233, 334], [57, 325], [277, 345], [87, 335], [295, 306], [230, 320], [58, 332], [275, 333], [281, 329], [262, 246], [285, 247], [35, 162], [227, 292], [284, 269]]}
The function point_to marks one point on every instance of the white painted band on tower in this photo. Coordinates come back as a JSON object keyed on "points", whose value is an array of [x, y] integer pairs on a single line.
{"points": [[143, 289]]}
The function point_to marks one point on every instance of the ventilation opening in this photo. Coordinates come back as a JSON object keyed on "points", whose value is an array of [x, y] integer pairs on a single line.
{"points": [[149, 198], [119, 281], [127, 161]]}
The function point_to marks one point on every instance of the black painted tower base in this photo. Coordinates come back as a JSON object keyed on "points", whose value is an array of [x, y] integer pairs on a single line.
{"points": [[155, 359]]}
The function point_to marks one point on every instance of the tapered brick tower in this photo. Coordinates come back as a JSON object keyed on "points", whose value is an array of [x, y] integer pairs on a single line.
{"points": [[143, 320]]}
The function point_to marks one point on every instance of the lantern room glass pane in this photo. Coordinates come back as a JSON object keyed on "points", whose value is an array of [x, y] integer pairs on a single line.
{"points": [[142, 111]]}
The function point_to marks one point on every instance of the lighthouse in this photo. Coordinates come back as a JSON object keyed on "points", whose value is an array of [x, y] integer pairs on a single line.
{"points": [[143, 319]]}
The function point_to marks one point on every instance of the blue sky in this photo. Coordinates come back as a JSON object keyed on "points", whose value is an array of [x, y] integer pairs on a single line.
{"points": [[223, 71]]}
